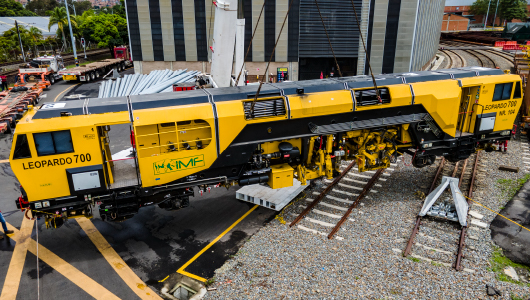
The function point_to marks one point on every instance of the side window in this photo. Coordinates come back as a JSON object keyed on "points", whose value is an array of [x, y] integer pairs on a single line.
{"points": [[21, 147], [369, 97], [517, 91], [56, 142], [160, 139], [503, 91]]}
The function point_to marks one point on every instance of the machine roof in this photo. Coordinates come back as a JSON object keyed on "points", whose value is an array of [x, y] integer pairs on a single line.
{"points": [[119, 104]]}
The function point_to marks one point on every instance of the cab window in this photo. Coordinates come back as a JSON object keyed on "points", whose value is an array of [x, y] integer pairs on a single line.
{"points": [[503, 91], [21, 147], [56, 142], [517, 91]]}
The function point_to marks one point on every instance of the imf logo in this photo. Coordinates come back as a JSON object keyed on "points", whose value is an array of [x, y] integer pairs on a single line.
{"points": [[172, 165]]}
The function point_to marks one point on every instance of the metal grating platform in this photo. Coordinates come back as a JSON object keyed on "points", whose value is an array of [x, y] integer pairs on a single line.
{"points": [[267, 197]]}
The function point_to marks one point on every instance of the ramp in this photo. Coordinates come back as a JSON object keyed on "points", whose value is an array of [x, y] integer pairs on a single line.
{"points": [[267, 197]]}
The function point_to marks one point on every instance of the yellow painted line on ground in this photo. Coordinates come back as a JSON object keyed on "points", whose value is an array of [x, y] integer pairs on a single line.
{"points": [[16, 265], [3, 161], [86, 283], [117, 263], [181, 269], [60, 94]]}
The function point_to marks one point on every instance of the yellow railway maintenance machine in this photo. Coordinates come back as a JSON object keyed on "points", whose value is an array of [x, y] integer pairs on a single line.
{"points": [[62, 158]]}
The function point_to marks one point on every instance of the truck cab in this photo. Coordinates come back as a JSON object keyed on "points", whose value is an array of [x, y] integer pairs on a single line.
{"points": [[123, 53]]}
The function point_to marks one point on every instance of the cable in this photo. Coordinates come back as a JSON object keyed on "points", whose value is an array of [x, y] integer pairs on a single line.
{"points": [[495, 212], [366, 53], [250, 43], [329, 41], [270, 59]]}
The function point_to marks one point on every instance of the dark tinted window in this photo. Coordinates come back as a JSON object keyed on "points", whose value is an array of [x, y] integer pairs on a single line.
{"points": [[56, 142], [21, 147], [502, 91], [517, 92]]}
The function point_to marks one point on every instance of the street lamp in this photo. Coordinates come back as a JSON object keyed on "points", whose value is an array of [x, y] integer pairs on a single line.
{"points": [[71, 33]]}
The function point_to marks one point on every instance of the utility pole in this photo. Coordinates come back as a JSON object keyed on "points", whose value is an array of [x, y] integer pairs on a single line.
{"points": [[20, 41], [487, 13], [72, 33], [495, 18]]}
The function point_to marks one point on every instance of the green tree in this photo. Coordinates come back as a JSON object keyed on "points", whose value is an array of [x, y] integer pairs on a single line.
{"points": [[35, 35], [60, 18], [513, 9], [507, 10], [25, 38], [41, 7], [106, 30], [11, 8], [119, 9], [80, 6]]}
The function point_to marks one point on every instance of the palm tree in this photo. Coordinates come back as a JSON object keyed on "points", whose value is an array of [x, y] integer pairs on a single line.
{"points": [[58, 16], [36, 35]]}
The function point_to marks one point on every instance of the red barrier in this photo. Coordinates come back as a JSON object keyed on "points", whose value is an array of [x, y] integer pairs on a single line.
{"points": [[511, 43], [500, 44], [528, 42], [512, 47]]}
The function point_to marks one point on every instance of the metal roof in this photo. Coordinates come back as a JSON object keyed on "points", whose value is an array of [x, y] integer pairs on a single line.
{"points": [[41, 23], [117, 104]]}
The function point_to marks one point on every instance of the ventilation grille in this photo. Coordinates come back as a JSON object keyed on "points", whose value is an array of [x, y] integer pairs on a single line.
{"points": [[264, 108], [368, 97]]}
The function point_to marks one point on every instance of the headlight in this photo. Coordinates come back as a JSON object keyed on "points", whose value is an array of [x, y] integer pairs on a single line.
{"points": [[38, 205], [506, 132], [45, 203], [427, 145]]}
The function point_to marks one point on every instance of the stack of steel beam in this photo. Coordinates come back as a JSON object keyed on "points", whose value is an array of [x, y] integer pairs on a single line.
{"points": [[159, 81]]}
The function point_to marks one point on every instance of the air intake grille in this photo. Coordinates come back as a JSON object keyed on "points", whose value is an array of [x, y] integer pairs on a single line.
{"points": [[368, 97], [264, 108]]}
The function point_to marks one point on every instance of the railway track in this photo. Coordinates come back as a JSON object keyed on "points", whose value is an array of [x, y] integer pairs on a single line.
{"points": [[455, 59], [349, 188], [484, 60], [484, 57], [466, 172]]}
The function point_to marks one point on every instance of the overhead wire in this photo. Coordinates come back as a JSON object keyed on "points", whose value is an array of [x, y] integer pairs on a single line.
{"points": [[251, 111], [329, 41], [250, 43], [366, 53]]}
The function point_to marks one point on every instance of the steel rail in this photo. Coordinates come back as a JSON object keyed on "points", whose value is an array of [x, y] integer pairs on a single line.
{"points": [[365, 190], [463, 231], [408, 248], [321, 196]]}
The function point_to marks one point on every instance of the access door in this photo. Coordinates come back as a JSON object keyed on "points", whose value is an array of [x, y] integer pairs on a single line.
{"points": [[119, 155]]}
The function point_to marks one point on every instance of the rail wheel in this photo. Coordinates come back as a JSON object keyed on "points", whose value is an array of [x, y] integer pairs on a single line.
{"points": [[92, 76], [51, 78]]}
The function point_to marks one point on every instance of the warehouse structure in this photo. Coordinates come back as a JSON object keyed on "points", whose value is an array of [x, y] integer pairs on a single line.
{"points": [[401, 35]]}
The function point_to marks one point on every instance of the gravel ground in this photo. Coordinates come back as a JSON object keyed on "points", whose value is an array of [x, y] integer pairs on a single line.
{"points": [[280, 262]]}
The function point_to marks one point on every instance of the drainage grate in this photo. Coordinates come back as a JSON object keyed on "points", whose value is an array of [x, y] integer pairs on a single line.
{"points": [[182, 292]]}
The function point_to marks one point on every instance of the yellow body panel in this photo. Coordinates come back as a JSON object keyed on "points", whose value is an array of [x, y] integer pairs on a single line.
{"points": [[157, 164], [281, 176], [441, 101], [319, 104]]}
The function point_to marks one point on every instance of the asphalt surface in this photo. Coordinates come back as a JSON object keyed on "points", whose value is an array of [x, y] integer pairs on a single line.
{"points": [[154, 244], [514, 240]]}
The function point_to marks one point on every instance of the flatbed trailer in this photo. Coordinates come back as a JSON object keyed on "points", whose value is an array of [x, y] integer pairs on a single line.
{"points": [[14, 103], [93, 70]]}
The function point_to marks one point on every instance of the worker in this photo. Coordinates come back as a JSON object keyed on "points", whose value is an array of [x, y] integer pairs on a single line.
{"points": [[1, 85], [4, 226], [4, 82]]}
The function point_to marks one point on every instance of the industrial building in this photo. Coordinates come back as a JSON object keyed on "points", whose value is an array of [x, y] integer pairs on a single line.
{"points": [[400, 35]]}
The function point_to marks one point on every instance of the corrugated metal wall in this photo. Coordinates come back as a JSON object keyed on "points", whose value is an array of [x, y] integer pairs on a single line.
{"points": [[340, 23], [427, 33]]}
